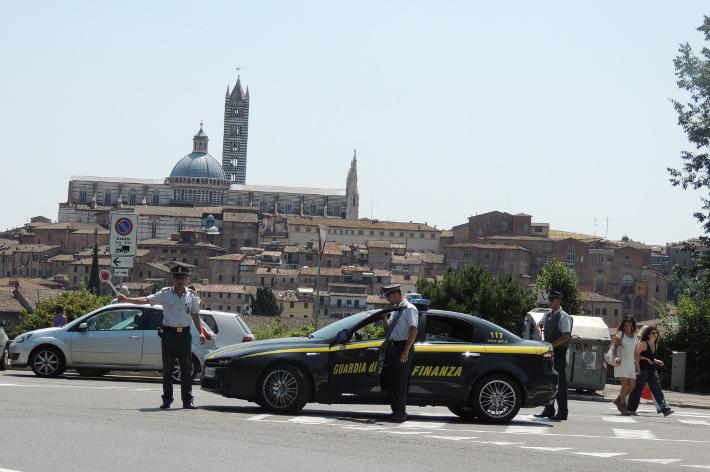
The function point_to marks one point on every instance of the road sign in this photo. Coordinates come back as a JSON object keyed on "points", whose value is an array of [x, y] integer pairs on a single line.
{"points": [[120, 272], [124, 229], [121, 262], [105, 277]]}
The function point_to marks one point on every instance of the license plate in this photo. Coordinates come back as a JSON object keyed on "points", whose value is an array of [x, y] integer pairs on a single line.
{"points": [[209, 372]]}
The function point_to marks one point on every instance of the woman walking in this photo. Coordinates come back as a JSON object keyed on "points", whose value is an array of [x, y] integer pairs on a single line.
{"points": [[647, 373], [626, 361]]}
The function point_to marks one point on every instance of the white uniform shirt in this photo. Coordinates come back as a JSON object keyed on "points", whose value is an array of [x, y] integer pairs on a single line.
{"points": [[177, 310], [408, 318]]}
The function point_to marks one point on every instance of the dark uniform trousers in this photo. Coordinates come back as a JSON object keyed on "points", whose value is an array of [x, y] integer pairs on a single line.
{"points": [[561, 368], [177, 346], [398, 376]]}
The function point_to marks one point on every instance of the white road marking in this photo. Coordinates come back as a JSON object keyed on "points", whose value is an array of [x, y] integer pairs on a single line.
{"points": [[655, 461], [525, 430], [8, 470], [421, 424], [697, 466], [406, 432], [453, 438], [541, 448], [311, 419], [618, 419], [85, 387], [364, 428], [600, 454], [500, 443], [699, 422], [257, 417], [634, 434]]}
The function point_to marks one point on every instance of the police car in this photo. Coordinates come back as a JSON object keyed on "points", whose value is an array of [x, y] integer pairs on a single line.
{"points": [[475, 368]]}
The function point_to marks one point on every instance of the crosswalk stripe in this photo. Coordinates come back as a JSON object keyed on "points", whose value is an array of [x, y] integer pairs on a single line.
{"points": [[257, 417], [698, 422], [525, 430], [407, 432], [618, 419], [422, 424], [311, 419], [634, 434], [655, 461], [453, 438], [697, 466], [601, 454], [541, 448]]}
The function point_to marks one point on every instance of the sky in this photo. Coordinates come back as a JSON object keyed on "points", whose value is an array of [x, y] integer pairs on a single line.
{"points": [[556, 109]]}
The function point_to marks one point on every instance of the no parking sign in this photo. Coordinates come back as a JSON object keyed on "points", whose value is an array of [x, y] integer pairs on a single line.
{"points": [[124, 238]]}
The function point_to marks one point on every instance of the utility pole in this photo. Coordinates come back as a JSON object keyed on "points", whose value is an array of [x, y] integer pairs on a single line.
{"points": [[322, 235]]}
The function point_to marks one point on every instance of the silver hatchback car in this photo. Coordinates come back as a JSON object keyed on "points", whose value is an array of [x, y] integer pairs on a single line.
{"points": [[121, 336]]}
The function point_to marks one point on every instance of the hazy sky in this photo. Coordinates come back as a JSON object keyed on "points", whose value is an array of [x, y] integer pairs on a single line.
{"points": [[556, 109]]}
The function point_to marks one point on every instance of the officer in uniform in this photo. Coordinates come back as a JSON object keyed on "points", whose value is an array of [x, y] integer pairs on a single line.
{"points": [[402, 328], [556, 327], [180, 308]]}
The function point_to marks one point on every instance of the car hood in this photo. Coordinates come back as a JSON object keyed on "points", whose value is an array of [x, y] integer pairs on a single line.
{"points": [[262, 346], [45, 331]]}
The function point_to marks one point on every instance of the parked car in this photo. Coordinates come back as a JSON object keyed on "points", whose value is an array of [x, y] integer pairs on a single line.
{"points": [[120, 336], [475, 368], [4, 345], [228, 328]]}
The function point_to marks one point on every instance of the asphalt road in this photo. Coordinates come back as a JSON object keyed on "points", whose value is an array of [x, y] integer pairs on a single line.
{"points": [[113, 423]]}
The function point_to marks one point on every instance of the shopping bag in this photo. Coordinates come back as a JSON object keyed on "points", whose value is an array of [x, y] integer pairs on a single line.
{"points": [[610, 356], [646, 393]]}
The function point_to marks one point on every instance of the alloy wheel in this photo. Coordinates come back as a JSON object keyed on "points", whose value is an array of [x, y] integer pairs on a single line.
{"points": [[46, 362], [280, 388], [497, 398]]}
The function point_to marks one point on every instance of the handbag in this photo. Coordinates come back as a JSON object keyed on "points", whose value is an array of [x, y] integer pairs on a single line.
{"points": [[612, 354]]}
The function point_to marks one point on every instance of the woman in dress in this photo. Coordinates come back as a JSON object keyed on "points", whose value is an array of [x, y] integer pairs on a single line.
{"points": [[626, 361], [647, 373]]}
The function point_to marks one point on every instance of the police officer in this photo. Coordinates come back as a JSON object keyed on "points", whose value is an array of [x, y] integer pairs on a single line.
{"points": [[556, 327], [180, 308], [402, 329]]}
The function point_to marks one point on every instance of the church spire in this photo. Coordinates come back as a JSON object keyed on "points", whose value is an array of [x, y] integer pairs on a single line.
{"points": [[238, 91], [353, 203]]}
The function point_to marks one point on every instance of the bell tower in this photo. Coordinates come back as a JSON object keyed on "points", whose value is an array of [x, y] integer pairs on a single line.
{"points": [[236, 133]]}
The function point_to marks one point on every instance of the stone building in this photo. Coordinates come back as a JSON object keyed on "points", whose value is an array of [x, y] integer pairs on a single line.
{"points": [[236, 134], [498, 259]]}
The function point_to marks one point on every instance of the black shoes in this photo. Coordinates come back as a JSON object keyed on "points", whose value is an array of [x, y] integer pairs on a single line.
{"points": [[165, 405], [397, 418], [559, 417], [545, 414], [667, 412], [189, 406]]}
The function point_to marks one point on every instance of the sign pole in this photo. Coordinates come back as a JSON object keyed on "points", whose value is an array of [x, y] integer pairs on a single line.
{"points": [[322, 235], [105, 276]]}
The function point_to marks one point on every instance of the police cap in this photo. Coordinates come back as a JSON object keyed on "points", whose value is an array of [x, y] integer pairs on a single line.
{"points": [[179, 271], [389, 289], [554, 294]]}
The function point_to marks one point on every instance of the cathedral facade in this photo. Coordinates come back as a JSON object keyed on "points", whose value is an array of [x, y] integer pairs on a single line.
{"points": [[199, 180]]}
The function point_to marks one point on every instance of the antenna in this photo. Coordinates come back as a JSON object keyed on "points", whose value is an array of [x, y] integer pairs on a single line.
{"points": [[607, 228], [595, 226]]}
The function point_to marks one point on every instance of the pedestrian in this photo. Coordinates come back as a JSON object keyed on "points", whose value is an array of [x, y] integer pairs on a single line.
{"points": [[60, 319], [647, 372], [180, 308], [556, 328], [402, 329], [625, 360]]}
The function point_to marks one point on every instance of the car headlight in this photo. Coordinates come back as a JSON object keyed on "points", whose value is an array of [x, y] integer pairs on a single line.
{"points": [[22, 338], [222, 362]]}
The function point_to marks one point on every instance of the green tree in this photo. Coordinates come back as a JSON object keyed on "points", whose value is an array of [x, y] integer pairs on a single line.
{"points": [[556, 275], [693, 77], [265, 303], [94, 282], [75, 304], [688, 330], [473, 290]]}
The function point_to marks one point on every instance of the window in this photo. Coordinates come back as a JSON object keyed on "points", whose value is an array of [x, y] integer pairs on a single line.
{"points": [[83, 197], [132, 197], [597, 311], [372, 233], [467, 254], [627, 284], [211, 323], [115, 320], [604, 312], [446, 329], [155, 199], [291, 304], [107, 198], [570, 255]]}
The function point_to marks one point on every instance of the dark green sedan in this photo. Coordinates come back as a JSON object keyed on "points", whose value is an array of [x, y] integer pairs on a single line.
{"points": [[475, 368]]}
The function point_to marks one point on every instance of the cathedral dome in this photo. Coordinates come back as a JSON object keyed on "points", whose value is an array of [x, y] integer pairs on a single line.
{"points": [[198, 164]]}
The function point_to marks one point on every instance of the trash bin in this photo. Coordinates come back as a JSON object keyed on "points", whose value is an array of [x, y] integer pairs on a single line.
{"points": [[679, 361]]}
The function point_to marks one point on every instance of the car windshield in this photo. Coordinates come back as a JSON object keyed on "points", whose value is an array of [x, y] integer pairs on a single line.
{"points": [[332, 329]]}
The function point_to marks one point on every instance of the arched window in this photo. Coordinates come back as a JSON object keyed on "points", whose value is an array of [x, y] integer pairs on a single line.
{"points": [[132, 198], [107, 198], [570, 255], [155, 199], [627, 284], [83, 197]]}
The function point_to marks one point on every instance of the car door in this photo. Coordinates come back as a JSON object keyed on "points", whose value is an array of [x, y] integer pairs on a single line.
{"points": [[352, 366], [451, 347], [152, 358], [112, 338]]}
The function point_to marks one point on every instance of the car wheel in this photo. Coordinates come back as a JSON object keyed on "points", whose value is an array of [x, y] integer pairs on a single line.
{"points": [[176, 371], [496, 399], [47, 361], [92, 372], [283, 389], [464, 412]]}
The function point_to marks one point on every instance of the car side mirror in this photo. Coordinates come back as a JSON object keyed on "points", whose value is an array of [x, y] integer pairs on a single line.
{"points": [[83, 327], [342, 336]]}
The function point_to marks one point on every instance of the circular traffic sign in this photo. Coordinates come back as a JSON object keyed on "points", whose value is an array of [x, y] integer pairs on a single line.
{"points": [[105, 275], [124, 226]]}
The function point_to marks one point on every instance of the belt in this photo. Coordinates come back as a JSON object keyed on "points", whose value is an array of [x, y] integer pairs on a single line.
{"points": [[177, 329], [398, 343]]}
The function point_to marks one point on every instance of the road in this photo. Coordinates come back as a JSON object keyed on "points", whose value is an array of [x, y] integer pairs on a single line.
{"points": [[114, 423]]}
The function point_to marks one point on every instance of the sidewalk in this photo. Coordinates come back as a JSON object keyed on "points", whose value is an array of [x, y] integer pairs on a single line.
{"points": [[688, 400]]}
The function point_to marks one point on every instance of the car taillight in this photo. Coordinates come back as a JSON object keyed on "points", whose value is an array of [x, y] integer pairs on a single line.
{"points": [[247, 338], [549, 356]]}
